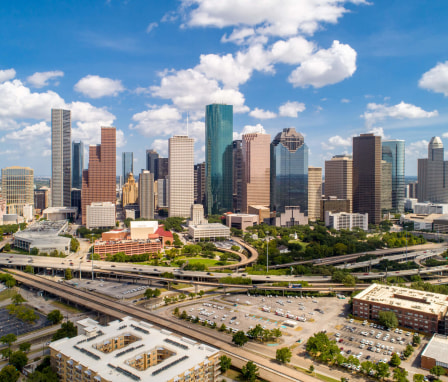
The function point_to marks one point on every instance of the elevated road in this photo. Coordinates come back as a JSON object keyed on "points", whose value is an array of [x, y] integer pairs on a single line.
{"points": [[245, 261]]}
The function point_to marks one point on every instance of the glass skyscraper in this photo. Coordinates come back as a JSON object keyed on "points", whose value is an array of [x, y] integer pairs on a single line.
{"points": [[219, 158], [127, 163], [77, 164], [393, 151], [289, 171]]}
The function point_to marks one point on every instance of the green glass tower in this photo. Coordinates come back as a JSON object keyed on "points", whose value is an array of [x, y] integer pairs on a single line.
{"points": [[219, 158]]}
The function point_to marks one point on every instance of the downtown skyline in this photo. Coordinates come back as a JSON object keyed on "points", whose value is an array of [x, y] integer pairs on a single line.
{"points": [[142, 66]]}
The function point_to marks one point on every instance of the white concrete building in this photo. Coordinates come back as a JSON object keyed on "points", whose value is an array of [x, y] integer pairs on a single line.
{"points": [[60, 213], [209, 231], [430, 208], [100, 215], [44, 236], [410, 203], [197, 215], [345, 220], [141, 229], [28, 212]]}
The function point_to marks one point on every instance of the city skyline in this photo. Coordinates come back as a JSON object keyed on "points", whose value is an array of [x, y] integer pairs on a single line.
{"points": [[331, 78]]}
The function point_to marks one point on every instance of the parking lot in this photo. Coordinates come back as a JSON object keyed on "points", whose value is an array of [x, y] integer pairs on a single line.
{"points": [[11, 324]]}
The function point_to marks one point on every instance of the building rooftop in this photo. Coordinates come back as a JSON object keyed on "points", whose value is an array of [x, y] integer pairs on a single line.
{"points": [[427, 302], [117, 365], [53, 210], [145, 224], [209, 226], [436, 348]]}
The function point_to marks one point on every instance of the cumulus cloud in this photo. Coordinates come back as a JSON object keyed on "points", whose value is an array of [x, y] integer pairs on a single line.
{"points": [[6, 75], [151, 26], [325, 67], [345, 100], [239, 36], [41, 79], [249, 129], [93, 86], [262, 114], [161, 146], [436, 79], [339, 141], [378, 112], [291, 109], [163, 120], [292, 51]]}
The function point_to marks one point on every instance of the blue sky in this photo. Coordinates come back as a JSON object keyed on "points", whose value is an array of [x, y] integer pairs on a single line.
{"points": [[330, 68]]}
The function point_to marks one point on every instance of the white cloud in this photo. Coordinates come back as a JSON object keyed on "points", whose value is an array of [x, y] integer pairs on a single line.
{"points": [[164, 120], [291, 109], [29, 138], [291, 18], [436, 79], [415, 150], [41, 79], [96, 87], [292, 51], [239, 36], [378, 112], [262, 114], [339, 141], [161, 146], [378, 131], [345, 100], [151, 26], [325, 67], [249, 129], [6, 75]]}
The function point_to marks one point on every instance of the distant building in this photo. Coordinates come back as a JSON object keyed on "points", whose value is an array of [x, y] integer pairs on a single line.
{"points": [[100, 215], [241, 221], [146, 194], [130, 191], [435, 353], [40, 199], [140, 230], [332, 204], [339, 178], [61, 158], [386, 186], [210, 231], [77, 164], [238, 182], [162, 165], [263, 212], [409, 204], [76, 199], [132, 211], [60, 213], [127, 166], [151, 157], [132, 350], [346, 220], [431, 208], [162, 193], [17, 188], [199, 183], [197, 215], [412, 190], [393, 152], [314, 192], [28, 212], [290, 218], [420, 222]]}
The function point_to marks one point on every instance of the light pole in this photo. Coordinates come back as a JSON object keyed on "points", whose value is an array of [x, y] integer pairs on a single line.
{"points": [[267, 252]]}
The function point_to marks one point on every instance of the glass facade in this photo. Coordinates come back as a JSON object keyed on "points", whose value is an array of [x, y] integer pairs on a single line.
{"points": [[17, 188], [393, 151], [289, 171], [219, 158], [151, 158], [127, 162], [77, 164]]}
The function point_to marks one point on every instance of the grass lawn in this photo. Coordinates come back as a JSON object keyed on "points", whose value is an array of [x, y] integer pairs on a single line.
{"points": [[8, 293], [317, 375], [300, 242], [201, 260]]}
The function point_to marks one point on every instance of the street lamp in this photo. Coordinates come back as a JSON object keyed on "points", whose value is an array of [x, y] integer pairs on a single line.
{"points": [[267, 252]]}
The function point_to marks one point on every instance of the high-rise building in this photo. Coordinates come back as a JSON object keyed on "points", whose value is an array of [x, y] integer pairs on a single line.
{"points": [[17, 188], [127, 165], [161, 171], [40, 199], [218, 158], [130, 191], [412, 193], [289, 171], [61, 158], [181, 175], [199, 183], [99, 181], [393, 151], [77, 164], [314, 192], [432, 183], [386, 186], [367, 176], [237, 154], [146, 194], [256, 170], [339, 178], [162, 193], [151, 157]]}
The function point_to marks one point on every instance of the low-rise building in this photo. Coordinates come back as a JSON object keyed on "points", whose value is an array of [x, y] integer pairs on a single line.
{"points": [[241, 221], [140, 230], [210, 231], [345, 220], [291, 217], [409, 204], [421, 222], [435, 353], [430, 208], [415, 309], [60, 213], [333, 204], [100, 215], [129, 351]]}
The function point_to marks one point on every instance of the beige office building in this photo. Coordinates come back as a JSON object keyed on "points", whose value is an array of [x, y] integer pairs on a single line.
{"points": [[146, 194], [339, 178], [17, 188], [256, 170], [180, 175], [130, 191], [314, 192]]}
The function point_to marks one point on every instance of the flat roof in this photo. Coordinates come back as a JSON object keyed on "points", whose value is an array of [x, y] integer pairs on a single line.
{"points": [[436, 348], [81, 350], [412, 299], [209, 226], [52, 210], [144, 224]]}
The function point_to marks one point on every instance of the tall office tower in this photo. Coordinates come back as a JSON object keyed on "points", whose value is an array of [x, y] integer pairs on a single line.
{"points": [[130, 191], [386, 186], [151, 157], [77, 164], [199, 183], [218, 158], [237, 154], [99, 181], [181, 175], [413, 190], [289, 171], [256, 188], [393, 152], [367, 176], [162, 193], [161, 171], [127, 166], [314, 192], [61, 158], [17, 188], [339, 178], [146, 194], [432, 183]]}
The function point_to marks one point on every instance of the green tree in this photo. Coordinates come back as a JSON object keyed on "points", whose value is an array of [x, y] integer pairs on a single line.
{"points": [[9, 374], [349, 280], [18, 359], [17, 299], [283, 355], [239, 338], [29, 269], [176, 311], [277, 333], [418, 378], [416, 340], [68, 274], [10, 282], [25, 347], [395, 360], [388, 319], [367, 367], [435, 370], [201, 293], [222, 328], [382, 370], [55, 316], [225, 363], [183, 315], [8, 339], [7, 248], [250, 372], [400, 375], [68, 329]]}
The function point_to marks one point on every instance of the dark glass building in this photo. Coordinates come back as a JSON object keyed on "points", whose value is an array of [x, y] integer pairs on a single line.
{"points": [[127, 163], [77, 164], [161, 168], [237, 175], [151, 158], [393, 152], [289, 171], [219, 158]]}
